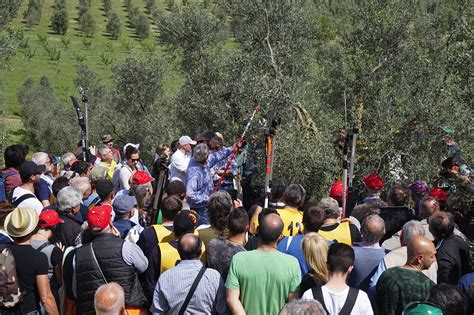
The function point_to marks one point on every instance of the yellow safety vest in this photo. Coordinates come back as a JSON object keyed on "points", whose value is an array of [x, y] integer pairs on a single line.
{"points": [[170, 256], [293, 221], [342, 234], [163, 234]]}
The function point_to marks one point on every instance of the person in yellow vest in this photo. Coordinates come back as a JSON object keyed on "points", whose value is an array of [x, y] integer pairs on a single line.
{"points": [[107, 160], [153, 235], [344, 231], [292, 217], [184, 222]]}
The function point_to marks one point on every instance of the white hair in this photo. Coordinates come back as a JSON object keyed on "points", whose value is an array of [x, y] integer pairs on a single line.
{"points": [[81, 183], [40, 158], [68, 198], [68, 157], [201, 152], [410, 229], [109, 299], [303, 307], [102, 150]]}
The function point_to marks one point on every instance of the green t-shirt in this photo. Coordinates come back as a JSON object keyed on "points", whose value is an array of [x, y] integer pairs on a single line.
{"points": [[264, 279]]}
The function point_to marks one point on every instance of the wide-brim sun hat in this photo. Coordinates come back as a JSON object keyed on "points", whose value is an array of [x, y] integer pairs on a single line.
{"points": [[21, 222]]}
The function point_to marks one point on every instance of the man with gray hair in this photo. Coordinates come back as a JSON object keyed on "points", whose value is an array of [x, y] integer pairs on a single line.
{"points": [[107, 160], [69, 203], [109, 299], [303, 307], [84, 186], [368, 253], [199, 185], [398, 257], [68, 159]]}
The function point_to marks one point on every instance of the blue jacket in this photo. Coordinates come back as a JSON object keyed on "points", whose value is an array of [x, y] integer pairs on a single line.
{"points": [[123, 226], [199, 183]]}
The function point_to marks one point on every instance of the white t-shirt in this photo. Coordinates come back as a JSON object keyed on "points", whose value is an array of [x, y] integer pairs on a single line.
{"points": [[178, 165], [125, 174], [32, 203], [334, 301]]}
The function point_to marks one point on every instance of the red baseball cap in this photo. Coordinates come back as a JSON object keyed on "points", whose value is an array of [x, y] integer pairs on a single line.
{"points": [[337, 191], [49, 218], [439, 194], [373, 182], [141, 178], [98, 217]]}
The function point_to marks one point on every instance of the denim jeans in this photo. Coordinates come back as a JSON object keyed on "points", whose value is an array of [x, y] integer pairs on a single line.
{"points": [[202, 216]]}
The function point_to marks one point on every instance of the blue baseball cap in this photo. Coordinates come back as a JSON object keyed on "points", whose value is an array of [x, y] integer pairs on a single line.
{"points": [[123, 203]]}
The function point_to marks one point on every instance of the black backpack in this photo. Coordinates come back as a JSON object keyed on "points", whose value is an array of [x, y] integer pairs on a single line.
{"points": [[348, 304]]}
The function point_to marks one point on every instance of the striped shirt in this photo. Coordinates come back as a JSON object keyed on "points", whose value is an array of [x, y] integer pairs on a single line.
{"points": [[174, 284]]}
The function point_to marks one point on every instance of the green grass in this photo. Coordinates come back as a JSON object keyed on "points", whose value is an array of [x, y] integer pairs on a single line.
{"points": [[62, 73]]}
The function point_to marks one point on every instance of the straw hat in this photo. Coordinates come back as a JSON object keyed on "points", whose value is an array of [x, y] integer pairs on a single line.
{"points": [[21, 222]]}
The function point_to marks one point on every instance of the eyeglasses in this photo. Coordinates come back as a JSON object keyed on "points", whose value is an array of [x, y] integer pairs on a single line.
{"points": [[134, 160]]}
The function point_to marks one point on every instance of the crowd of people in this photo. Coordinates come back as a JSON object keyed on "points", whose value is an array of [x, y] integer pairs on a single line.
{"points": [[77, 237]]}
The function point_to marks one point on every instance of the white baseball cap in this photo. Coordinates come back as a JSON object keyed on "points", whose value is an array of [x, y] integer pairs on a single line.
{"points": [[136, 146], [186, 140]]}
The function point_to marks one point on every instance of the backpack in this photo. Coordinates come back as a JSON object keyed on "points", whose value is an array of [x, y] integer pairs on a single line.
{"points": [[3, 189], [10, 294], [348, 305]]}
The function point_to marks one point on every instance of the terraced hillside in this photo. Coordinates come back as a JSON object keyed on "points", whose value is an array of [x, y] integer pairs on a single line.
{"points": [[46, 53]]}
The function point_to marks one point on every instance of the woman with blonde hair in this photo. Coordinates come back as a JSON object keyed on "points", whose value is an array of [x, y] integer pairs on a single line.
{"points": [[315, 251]]}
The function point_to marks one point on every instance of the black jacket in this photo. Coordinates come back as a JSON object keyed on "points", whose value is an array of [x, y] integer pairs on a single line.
{"points": [[67, 232], [108, 251], [394, 218], [453, 259]]}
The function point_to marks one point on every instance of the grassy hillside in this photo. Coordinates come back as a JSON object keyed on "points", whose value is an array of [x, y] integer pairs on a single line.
{"points": [[99, 52]]}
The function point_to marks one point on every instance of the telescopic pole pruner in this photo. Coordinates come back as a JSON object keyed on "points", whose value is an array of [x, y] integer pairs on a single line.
{"points": [[236, 148], [270, 138], [355, 133], [82, 125], [345, 166], [85, 101]]}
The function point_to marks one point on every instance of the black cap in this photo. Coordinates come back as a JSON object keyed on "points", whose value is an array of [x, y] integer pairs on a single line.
{"points": [[104, 187], [29, 168], [184, 222]]}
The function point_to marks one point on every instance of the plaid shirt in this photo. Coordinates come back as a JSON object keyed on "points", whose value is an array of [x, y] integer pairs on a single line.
{"points": [[174, 284]]}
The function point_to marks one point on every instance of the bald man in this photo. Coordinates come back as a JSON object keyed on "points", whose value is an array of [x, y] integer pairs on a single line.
{"points": [[399, 286], [262, 281], [174, 284], [109, 299], [368, 253]]}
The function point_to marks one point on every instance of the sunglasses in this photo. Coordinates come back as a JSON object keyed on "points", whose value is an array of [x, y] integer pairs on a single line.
{"points": [[134, 160]]}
